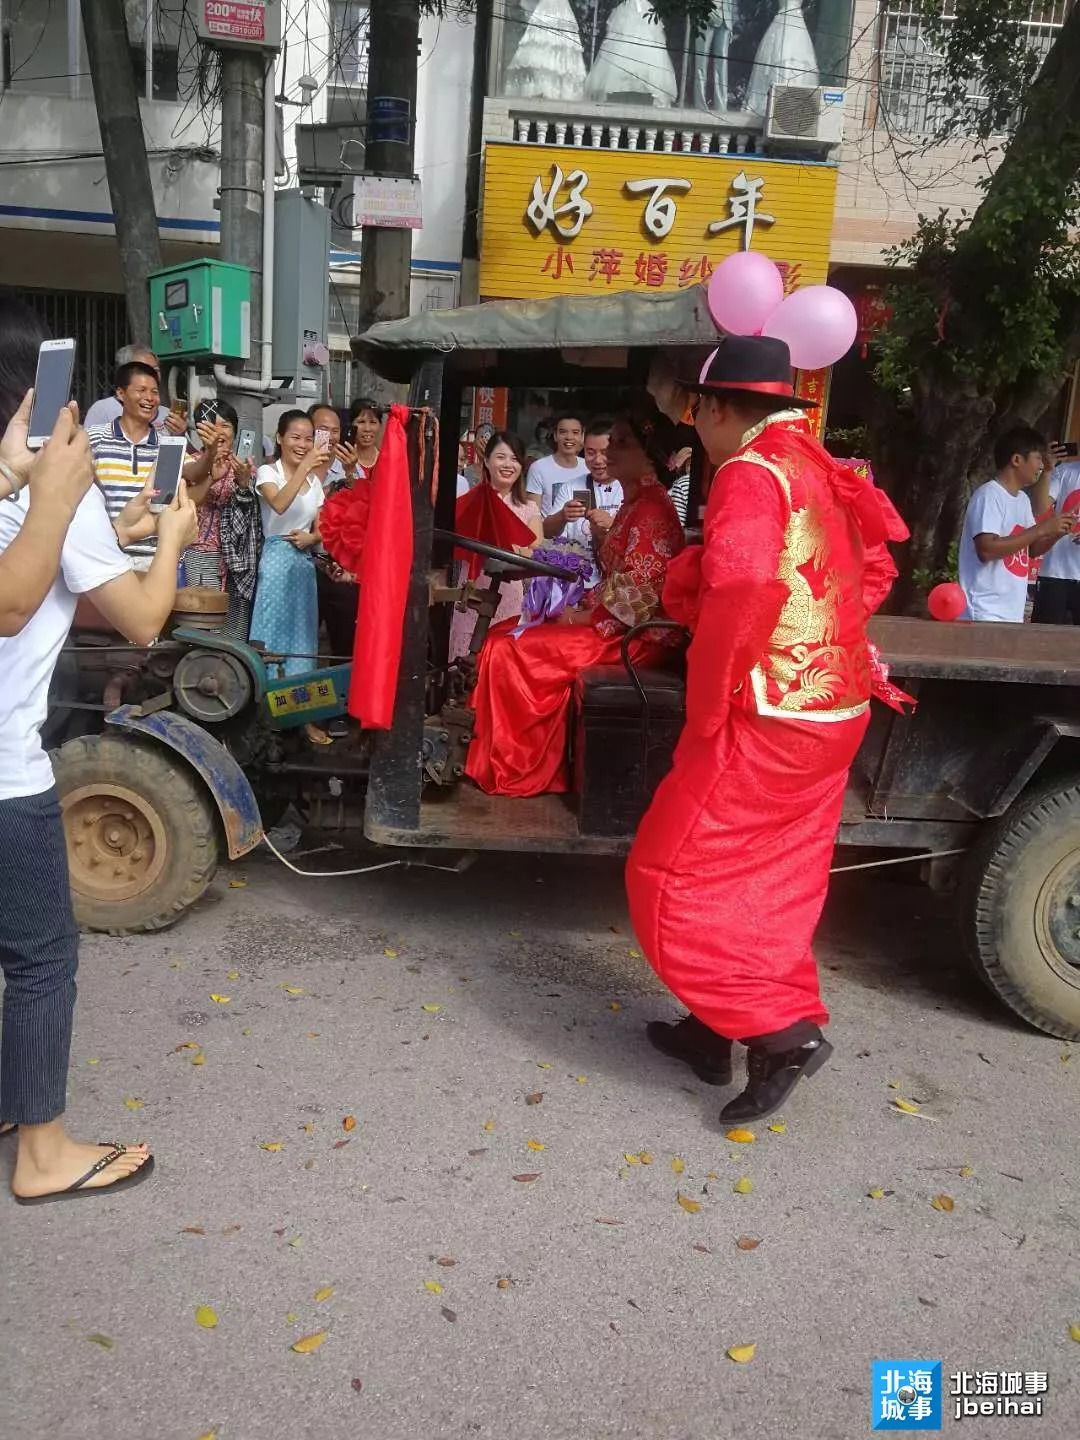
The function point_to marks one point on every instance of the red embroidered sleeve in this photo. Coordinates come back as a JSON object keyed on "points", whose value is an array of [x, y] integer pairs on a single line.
{"points": [[741, 594], [635, 559]]}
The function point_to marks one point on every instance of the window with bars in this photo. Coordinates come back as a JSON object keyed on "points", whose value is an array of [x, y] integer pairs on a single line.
{"points": [[349, 41], [913, 92]]}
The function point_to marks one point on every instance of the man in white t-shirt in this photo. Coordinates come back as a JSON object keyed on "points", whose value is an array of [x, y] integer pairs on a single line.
{"points": [[1057, 595], [552, 480], [592, 524], [38, 938], [1000, 532]]}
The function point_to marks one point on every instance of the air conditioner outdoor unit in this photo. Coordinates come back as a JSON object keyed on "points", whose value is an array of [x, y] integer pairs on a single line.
{"points": [[808, 116]]}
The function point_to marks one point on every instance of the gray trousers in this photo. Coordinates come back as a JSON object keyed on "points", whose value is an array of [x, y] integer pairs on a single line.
{"points": [[39, 953]]}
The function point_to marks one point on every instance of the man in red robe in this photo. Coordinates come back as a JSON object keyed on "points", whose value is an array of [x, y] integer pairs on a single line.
{"points": [[730, 867]]}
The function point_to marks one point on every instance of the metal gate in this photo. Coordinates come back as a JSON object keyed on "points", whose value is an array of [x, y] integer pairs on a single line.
{"points": [[98, 324]]}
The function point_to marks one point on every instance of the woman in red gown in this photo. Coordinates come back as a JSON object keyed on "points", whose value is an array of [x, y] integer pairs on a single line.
{"points": [[525, 682]]}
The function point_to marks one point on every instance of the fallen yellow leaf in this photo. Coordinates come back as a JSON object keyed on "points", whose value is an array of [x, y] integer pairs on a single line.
{"points": [[634, 954], [102, 1340], [488, 1125], [711, 1175], [296, 1241], [308, 1127], [133, 1104], [1074, 1331], [534, 1144], [905, 1105], [943, 1202], [582, 1079], [208, 1435], [186, 1045], [199, 1059], [175, 964], [433, 1286], [876, 1194], [743, 1186], [631, 1159], [307, 1343], [543, 1064], [293, 989], [615, 1005], [431, 1009], [233, 975], [894, 1084], [291, 1318], [742, 1354], [272, 1145], [690, 1206], [503, 1282], [221, 999], [237, 884], [677, 1165], [390, 954], [779, 1128], [515, 934], [93, 1060], [748, 1242], [741, 1137], [206, 1317], [323, 1293], [966, 1172], [349, 1123], [645, 1158]]}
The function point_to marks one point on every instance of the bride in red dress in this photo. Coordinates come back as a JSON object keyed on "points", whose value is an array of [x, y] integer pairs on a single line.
{"points": [[525, 682]]}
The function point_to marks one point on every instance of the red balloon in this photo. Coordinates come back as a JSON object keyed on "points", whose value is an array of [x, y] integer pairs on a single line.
{"points": [[947, 602]]}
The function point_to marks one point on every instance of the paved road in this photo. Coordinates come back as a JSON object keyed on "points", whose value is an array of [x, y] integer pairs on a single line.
{"points": [[428, 1007]]}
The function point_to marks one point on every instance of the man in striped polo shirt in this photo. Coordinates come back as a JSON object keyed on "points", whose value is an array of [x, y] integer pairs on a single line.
{"points": [[125, 453]]}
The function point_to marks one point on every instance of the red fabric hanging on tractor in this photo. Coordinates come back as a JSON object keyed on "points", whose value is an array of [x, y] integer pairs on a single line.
{"points": [[385, 565]]}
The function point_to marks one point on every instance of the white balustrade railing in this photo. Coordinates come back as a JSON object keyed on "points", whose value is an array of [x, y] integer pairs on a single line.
{"points": [[608, 127]]}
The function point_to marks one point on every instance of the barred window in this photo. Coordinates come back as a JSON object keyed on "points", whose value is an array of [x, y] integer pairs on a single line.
{"points": [[913, 84]]}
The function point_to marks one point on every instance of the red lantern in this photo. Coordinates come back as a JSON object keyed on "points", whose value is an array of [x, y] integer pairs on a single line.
{"points": [[873, 311], [947, 601]]}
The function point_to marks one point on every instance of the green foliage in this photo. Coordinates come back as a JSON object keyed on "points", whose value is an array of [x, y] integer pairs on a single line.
{"points": [[924, 580]]}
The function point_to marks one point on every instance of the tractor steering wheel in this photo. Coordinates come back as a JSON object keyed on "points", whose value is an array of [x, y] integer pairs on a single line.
{"points": [[506, 557]]}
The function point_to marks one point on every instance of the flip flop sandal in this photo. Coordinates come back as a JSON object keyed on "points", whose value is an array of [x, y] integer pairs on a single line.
{"points": [[77, 1191]]}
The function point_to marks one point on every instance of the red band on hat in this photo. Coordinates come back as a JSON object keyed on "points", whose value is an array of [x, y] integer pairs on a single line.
{"points": [[760, 387]]}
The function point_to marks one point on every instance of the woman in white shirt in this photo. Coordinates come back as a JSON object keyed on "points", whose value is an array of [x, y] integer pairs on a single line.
{"points": [[285, 618]]}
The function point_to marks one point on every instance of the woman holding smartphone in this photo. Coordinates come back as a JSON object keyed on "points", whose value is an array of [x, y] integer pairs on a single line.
{"points": [[226, 487], [285, 618]]}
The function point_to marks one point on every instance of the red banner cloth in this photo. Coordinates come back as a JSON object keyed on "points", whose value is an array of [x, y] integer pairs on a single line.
{"points": [[481, 515], [384, 581], [343, 524]]}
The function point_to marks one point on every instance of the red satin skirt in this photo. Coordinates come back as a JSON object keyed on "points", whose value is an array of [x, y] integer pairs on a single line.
{"points": [[730, 867], [522, 702]]}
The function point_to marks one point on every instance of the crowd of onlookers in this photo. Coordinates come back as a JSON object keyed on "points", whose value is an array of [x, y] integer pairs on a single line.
{"points": [[1004, 547]]}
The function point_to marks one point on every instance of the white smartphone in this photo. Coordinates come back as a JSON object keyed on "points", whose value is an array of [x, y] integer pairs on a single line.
{"points": [[52, 388], [245, 445], [172, 451]]}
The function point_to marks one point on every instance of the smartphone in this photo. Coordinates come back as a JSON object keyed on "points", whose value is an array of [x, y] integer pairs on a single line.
{"points": [[172, 451], [1068, 447], [52, 388], [322, 438], [584, 497], [245, 445]]}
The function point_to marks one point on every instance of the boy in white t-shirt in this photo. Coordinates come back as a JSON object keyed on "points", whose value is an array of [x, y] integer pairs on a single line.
{"points": [[1001, 535], [1057, 595], [552, 480]]}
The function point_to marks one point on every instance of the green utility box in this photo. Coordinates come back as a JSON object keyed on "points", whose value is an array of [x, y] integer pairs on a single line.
{"points": [[201, 310]]}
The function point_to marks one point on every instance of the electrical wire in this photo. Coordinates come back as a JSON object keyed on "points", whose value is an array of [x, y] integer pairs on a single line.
{"points": [[462, 865]]}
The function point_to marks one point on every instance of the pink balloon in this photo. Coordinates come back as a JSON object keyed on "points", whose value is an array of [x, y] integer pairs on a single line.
{"points": [[947, 601], [818, 323], [744, 291]]}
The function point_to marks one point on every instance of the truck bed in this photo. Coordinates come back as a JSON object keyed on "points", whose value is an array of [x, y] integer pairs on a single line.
{"points": [[959, 650]]}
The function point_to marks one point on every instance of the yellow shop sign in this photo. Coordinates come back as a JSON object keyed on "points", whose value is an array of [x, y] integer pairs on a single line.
{"points": [[560, 219]]}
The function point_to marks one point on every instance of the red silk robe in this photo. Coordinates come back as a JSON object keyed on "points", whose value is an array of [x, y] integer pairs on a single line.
{"points": [[525, 682], [729, 869]]}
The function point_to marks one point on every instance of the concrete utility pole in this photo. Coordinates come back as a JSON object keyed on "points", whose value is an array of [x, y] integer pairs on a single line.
{"points": [[243, 76], [124, 147], [386, 255]]}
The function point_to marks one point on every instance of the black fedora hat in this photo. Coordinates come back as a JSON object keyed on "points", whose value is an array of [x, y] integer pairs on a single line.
{"points": [[751, 365]]}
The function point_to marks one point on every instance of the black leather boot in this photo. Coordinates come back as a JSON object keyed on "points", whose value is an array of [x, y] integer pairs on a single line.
{"points": [[771, 1077], [692, 1042]]}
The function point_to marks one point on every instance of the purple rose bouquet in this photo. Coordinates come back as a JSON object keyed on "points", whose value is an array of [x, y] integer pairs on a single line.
{"points": [[547, 597]]}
